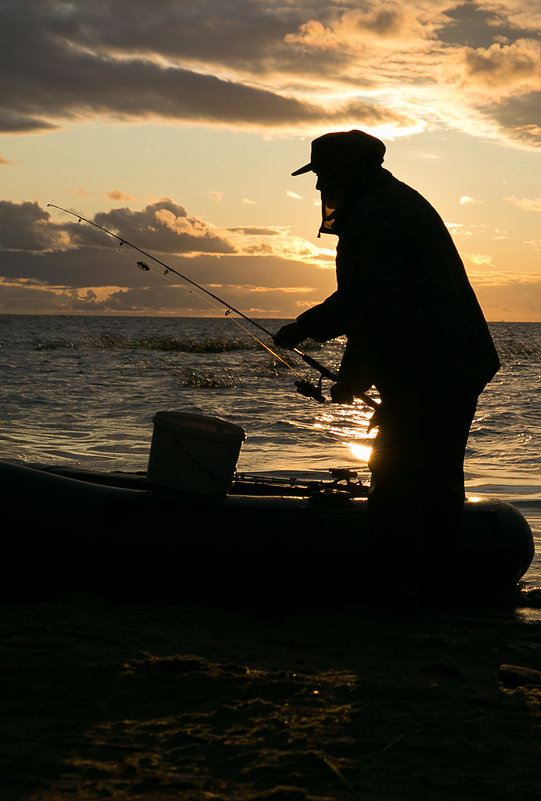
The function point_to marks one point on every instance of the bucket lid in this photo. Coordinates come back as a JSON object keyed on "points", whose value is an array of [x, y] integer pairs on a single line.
{"points": [[173, 421]]}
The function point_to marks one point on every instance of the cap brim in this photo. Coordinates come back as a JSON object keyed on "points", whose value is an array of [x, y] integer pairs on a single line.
{"points": [[306, 168]]}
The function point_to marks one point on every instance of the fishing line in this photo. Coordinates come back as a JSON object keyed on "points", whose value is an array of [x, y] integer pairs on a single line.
{"points": [[303, 386], [168, 269], [144, 266], [169, 274], [172, 276]]}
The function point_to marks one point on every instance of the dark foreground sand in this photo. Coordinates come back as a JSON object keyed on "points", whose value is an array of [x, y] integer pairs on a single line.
{"points": [[128, 702]]}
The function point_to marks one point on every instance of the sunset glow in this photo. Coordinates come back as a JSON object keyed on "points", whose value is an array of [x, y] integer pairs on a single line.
{"points": [[178, 125]]}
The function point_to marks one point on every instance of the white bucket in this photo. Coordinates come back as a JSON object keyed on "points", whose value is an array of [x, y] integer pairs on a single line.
{"points": [[194, 453]]}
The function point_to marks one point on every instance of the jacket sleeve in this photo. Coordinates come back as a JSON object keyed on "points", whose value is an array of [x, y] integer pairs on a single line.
{"points": [[324, 321]]}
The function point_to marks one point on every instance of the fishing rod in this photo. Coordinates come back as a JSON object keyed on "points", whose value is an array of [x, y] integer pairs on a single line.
{"points": [[304, 387]]}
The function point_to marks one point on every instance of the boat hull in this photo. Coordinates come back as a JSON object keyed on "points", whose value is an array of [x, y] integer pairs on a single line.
{"points": [[116, 536]]}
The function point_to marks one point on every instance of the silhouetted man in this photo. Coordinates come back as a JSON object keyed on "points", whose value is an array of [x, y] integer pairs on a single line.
{"points": [[414, 330]]}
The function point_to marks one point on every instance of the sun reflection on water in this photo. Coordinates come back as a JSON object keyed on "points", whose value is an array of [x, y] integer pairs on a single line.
{"points": [[351, 423], [360, 452]]}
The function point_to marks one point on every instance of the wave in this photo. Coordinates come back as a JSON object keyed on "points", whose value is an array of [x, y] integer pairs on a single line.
{"points": [[517, 341], [154, 343], [209, 380], [511, 351], [106, 342]]}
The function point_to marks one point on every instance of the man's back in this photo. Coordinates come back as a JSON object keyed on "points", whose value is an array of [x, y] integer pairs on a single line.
{"points": [[405, 293]]}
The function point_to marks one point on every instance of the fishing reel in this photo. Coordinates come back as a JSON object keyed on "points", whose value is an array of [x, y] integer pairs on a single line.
{"points": [[310, 390]]}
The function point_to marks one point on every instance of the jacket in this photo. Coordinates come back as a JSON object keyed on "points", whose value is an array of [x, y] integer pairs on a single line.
{"points": [[403, 299]]}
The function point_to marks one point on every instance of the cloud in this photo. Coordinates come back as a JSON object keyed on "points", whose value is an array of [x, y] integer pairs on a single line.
{"points": [[26, 227], [116, 194], [499, 81], [254, 230], [78, 62], [509, 296], [13, 122], [55, 265], [60, 265], [480, 259], [504, 69], [68, 267], [268, 285], [466, 200], [391, 66], [166, 227], [525, 203], [522, 16], [385, 23], [520, 116]]}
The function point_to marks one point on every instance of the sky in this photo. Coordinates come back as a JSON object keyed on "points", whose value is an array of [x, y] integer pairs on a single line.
{"points": [[177, 125]]}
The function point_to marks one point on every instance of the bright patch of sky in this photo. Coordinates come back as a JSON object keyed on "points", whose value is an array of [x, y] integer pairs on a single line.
{"points": [[187, 119]]}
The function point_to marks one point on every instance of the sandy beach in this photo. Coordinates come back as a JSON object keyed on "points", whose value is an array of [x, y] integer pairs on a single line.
{"points": [[104, 700]]}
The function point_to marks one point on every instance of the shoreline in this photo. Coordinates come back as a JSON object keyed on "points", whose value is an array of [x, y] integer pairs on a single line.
{"points": [[155, 702]]}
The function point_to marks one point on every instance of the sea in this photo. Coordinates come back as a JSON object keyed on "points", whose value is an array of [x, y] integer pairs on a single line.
{"points": [[82, 391]]}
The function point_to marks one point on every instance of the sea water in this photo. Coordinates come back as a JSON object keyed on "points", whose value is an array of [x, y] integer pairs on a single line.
{"points": [[82, 391]]}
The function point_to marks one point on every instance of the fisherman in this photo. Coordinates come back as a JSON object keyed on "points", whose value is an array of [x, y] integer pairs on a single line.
{"points": [[415, 332]]}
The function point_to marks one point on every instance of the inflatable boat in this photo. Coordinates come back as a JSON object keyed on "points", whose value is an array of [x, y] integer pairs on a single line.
{"points": [[271, 541]]}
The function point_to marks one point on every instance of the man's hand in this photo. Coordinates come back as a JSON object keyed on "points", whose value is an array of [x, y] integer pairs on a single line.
{"points": [[340, 394], [288, 336]]}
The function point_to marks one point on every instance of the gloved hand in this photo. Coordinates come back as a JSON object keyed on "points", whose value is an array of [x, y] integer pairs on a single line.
{"points": [[288, 336], [341, 394]]}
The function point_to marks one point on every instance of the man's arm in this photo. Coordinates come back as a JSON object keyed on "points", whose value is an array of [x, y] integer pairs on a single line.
{"points": [[321, 323]]}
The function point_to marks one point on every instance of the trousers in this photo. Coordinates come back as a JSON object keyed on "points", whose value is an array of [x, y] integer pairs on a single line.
{"points": [[416, 496]]}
